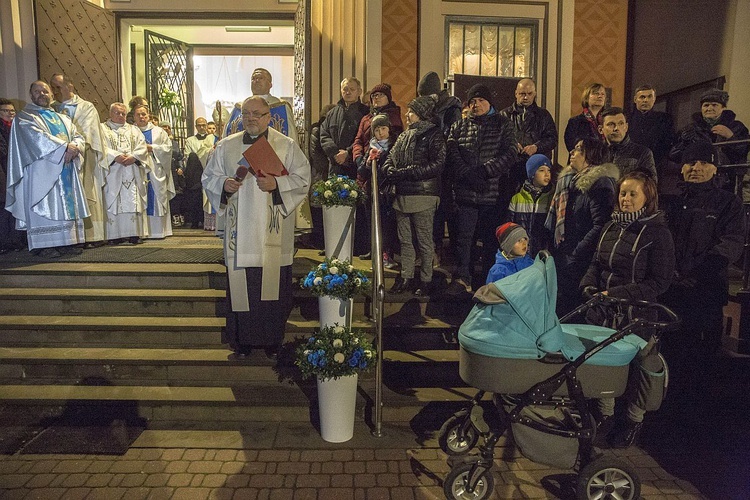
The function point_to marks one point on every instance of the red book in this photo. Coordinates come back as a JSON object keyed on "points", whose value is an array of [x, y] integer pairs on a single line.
{"points": [[261, 156]]}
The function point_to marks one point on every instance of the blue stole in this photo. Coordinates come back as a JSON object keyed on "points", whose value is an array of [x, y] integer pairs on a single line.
{"points": [[279, 118], [57, 128], [151, 195], [68, 110]]}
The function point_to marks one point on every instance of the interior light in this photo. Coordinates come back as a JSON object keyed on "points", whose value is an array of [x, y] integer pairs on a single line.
{"points": [[247, 29]]}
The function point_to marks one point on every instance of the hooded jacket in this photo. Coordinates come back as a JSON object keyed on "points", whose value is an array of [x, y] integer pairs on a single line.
{"points": [[422, 176], [591, 199], [481, 155], [636, 262]]}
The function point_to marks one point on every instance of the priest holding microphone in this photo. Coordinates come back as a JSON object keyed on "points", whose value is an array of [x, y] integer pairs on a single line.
{"points": [[258, 214]]}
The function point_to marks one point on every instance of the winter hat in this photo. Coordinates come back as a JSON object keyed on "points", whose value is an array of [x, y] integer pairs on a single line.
{"points": [[534, 162], [429, 84], [508, 235], [380, 120], [715, 95], [383, 88], [423, 107], [479, 90], [165, 124], [699, 151]]}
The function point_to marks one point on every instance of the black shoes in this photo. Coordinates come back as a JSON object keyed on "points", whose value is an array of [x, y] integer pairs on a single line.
{"points": [[424, 289], [624, 434], [403, 285]]}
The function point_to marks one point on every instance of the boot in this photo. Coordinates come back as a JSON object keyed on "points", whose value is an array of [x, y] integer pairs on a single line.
{"points": [[624, 435]]}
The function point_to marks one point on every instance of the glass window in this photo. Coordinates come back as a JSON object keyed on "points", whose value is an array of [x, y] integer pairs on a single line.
{"points": [[504, 47]]}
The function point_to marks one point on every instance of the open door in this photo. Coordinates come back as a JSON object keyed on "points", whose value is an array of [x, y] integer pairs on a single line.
{"points": [[78, 39], [169, 82]]}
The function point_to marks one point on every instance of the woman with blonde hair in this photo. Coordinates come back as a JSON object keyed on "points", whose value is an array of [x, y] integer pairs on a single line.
{"points": [[593, 100]]}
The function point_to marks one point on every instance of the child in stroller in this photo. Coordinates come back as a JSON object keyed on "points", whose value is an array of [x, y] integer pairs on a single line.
{"points": [[543, 373]]}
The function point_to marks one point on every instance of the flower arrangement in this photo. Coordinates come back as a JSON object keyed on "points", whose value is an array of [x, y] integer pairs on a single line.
{"points": [[169, 99], [335, 351], [337, 190], [335, 278]]}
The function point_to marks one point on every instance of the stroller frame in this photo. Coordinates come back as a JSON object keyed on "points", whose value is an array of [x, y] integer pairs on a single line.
{"points": [[471, 476]]}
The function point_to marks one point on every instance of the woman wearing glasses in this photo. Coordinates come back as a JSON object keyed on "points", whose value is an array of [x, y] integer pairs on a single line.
{"points": [[593, 99]]}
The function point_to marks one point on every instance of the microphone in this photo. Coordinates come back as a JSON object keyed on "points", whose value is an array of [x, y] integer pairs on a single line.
{"points": [[241, 173]]}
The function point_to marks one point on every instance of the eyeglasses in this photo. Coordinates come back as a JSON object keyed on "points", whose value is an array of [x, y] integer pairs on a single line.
{"points": [[375, 95], [255, 114]]}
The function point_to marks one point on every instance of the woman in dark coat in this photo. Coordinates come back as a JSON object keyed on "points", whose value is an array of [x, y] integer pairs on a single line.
{"points": [[635, 259], [414, 166], [593, 99], [582, 205]]}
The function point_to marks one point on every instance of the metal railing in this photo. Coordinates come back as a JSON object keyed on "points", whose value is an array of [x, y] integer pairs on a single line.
{"points": [[378, 296]]}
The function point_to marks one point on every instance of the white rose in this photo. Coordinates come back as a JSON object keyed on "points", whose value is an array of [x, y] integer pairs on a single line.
{"points": [[357, 281], [333, 270], [328, 183], [337, 342], [368, 353], [317, 281], [353, 194], [338, 330], [339, 357], [355, 340], [306, 352], [328, 194]]}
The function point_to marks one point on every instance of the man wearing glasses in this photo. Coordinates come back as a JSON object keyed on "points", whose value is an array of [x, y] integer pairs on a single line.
{"points": [[257, 214]]}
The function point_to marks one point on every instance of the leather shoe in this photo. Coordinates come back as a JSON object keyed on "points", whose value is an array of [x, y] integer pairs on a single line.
{"points": [[424, 289], [403, 285], [624, 435]]}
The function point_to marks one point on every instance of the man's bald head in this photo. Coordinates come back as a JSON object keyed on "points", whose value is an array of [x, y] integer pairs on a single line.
{"points": [[525, 92]]}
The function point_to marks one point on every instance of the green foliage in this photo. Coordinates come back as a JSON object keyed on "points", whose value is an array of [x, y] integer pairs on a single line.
{"points": [[336, 191], [335, 351], [335, 278]]}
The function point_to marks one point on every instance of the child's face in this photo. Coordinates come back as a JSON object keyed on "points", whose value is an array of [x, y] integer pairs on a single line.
{"points": [[381, 133], [521, 247], [542, 177]]}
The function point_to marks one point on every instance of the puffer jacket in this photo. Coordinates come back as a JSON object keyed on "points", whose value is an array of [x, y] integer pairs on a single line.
{"points": [[631, 156], [591, 199], [533, 125], [528, 208], [708, 227], [636, 262], [481, 155], [422, 176], [447, 111]]}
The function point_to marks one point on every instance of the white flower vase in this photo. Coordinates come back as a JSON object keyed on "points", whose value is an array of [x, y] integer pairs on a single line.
{"points": [[333, 310], [338, 231], [336, 403]]}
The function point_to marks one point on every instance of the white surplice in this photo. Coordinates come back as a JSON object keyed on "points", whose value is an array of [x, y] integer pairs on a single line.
{"points": [[160, 178]]}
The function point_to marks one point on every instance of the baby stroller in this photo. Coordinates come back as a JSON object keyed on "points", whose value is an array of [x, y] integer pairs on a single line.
{"points": [[542, 372]]}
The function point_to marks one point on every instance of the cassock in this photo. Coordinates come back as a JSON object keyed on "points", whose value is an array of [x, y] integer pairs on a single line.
{"points": [[160, 183], [45, 193], [201, 148], [125, 186], [258, 238], [86, 119]]}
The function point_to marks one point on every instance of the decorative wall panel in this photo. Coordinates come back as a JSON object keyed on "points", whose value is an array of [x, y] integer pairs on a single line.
{"points": [[77, 38], [301, 71], [400, 61], [599, 48]]}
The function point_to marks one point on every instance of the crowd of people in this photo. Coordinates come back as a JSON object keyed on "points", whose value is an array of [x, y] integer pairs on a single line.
{"points": [[640, 211]]}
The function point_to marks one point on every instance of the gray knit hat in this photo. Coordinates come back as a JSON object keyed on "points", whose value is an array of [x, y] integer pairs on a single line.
{"points": [[715, 95], [380, 120], [508, 235], [423, 107]]}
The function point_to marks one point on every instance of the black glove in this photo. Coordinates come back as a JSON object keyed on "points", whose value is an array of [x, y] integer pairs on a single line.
{"points": [[590, 291]]}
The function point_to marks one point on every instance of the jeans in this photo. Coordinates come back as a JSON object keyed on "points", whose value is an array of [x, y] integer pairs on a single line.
{"points": [[479, 220]]}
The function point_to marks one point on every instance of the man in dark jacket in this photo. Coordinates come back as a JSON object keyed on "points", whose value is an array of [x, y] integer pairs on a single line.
{"points": [[533, 127], [626, 154], [447, 112], [481, 155], [650, 128], [709, 230], [338, 130], [716, 124]]}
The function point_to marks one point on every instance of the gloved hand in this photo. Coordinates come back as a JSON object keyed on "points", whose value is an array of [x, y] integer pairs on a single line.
{"points": [[589, 291]]}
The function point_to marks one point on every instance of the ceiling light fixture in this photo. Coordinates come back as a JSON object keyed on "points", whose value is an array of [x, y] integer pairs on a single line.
{"points": [[247, 29]]}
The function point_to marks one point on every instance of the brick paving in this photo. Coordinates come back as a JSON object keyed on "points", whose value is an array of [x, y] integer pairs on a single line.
{"points": [[331, 472]]}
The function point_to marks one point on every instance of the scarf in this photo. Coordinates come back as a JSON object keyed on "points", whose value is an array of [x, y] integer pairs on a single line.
{"points": [[403, 151], [556, 217], [624, 219], [594, 122]]}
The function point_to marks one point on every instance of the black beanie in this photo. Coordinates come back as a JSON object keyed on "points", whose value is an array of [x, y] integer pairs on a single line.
{"points": [[423, 107], [479, 90], [429, 84], [699, 151]]}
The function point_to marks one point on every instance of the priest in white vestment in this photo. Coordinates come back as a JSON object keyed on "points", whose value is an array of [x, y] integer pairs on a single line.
{"points": [[125, 168], [45, 192], [258, 230], [86, 119], [160, 182]]}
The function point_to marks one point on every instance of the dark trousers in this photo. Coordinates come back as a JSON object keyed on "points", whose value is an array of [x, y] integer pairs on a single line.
{"points": [[481, 220], [10, 237]]}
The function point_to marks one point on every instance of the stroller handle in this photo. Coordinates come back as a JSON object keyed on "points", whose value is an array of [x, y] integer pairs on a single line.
{"points": [[671, 324]]}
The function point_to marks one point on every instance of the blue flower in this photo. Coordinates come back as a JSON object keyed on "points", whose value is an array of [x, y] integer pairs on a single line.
{"points": [[343, 193], [315, 194], [337, 280], [355, 358], [344, 276]]}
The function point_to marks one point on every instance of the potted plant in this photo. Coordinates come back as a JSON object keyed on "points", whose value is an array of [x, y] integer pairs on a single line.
{"points": [[335, 281], [338, 195], [335, 355]]}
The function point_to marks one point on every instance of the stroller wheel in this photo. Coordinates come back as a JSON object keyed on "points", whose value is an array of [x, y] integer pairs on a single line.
{"points": [[454, 439], [608, 477], [456, 483]]}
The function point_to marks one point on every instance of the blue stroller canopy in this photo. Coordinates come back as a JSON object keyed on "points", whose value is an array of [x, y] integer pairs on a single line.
{"points": [[524, 325]]}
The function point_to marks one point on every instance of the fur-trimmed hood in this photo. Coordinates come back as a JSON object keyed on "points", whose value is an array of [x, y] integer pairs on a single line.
{"points": [[592, 174]]}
